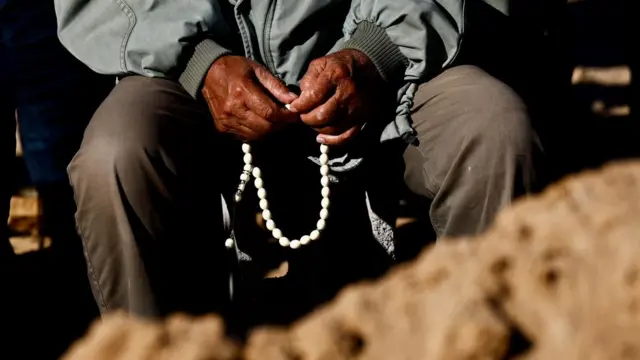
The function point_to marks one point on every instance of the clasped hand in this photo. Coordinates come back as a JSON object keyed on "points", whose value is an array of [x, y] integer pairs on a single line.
{"points": [[337, 97]]}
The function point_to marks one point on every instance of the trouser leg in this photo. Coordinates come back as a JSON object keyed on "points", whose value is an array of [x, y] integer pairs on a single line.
{"points": [[146, 182], [475, 149]]}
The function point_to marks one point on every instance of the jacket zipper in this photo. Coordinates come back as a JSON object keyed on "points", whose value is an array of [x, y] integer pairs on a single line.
{"points": [[244, 32], [267, 55]]}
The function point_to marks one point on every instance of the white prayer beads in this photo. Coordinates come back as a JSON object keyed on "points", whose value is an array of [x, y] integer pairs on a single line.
{"points": [[249, 170]]}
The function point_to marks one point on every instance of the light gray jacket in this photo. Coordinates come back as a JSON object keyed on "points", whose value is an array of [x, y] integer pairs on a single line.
{"points": [[408, 40]]}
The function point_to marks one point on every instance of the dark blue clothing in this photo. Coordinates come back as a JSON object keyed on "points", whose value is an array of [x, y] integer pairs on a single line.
{"points": [[54, 94]]}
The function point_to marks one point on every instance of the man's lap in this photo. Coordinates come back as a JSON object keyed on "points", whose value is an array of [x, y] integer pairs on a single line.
{"points": [[147, 118], [451, 108], [463, 104], [151, 153]]}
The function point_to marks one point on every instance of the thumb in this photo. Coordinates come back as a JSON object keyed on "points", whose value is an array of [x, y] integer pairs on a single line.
{"points": [[275, 86], [338, 139]]}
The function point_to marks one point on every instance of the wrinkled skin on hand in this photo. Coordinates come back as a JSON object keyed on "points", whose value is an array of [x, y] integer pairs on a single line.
{"points": [[339, 95], [245, 99]]}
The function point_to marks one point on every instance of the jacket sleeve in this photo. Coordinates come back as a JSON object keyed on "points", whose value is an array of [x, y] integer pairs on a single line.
{"points": [[161, 38], [407, 40]]}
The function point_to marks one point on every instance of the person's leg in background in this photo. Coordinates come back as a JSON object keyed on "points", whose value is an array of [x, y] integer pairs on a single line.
{"points": [[7, 155], [55, 104], [474, 150], [55, 96], [9, 322]]}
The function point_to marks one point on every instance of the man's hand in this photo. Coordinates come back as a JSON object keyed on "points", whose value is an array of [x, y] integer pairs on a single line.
{"points": [[338, 95], [245, 99]]}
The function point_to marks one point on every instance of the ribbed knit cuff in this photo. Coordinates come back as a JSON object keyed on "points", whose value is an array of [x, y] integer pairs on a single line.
{"points": [[205, 53], [376, 44]]}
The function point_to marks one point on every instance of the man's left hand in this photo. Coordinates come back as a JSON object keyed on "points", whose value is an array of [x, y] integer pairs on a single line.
{"points": [[338, 95]]}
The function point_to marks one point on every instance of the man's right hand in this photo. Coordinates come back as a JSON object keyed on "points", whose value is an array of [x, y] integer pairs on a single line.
{"points": [[245, 99]]}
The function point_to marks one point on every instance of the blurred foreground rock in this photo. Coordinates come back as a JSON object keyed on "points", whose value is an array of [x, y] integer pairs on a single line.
{"points": [[557, 277]]}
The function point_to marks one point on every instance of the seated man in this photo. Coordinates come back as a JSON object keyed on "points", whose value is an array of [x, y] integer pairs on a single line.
{"points": [[193, 72]]}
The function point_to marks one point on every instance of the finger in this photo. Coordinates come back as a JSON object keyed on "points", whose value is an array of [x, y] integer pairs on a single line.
{"points": [[325, 114], [313, 72], [243, 132], [330, 130], [314, 93], [255, 122], [262, 105], [275, 86], [335, 110], [338, 139]]}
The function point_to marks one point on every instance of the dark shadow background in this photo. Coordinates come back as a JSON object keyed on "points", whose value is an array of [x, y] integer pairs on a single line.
{"points": [[545, 40]]}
